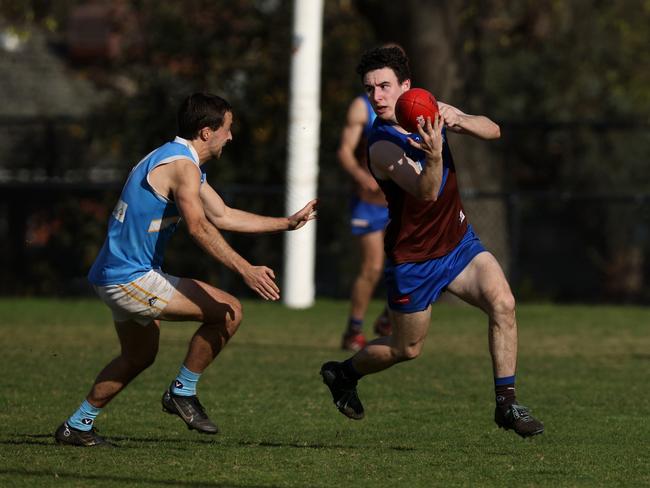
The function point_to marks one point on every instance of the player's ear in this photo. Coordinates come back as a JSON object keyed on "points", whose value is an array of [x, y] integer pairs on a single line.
{"points": [[406, 85], [204, 133]]}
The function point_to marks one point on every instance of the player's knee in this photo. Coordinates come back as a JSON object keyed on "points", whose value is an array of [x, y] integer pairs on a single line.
{"points": [[407, 353], [148, 360], [371, 273], [411, 353], [227, 313], [503, 304], [236, 313], [141, 360]]}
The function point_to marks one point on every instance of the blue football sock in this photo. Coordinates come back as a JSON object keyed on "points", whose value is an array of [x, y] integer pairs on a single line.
{"points": [[84, 417], [354, 325], [185, 382]]}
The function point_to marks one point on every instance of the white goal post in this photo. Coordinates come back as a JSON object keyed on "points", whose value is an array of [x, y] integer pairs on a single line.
{"points": [[298, 289]]}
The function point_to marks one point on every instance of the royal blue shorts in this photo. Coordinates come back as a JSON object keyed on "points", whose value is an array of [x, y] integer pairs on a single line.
{"points": [[367, 217], [412, 287]]}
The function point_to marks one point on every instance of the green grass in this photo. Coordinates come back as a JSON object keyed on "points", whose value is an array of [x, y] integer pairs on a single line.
{"points": [[585, 371]]}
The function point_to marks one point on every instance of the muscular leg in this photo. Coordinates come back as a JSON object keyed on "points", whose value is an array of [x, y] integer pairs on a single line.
{"points": [[409, 332], [483, 284], [219, 312], [139, 346], [372, 262], [194, 300], [220, 315], [405, 343]]}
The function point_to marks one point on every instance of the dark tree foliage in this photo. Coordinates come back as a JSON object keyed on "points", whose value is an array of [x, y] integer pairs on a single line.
{"points": [[240, 50], [568, 80]]}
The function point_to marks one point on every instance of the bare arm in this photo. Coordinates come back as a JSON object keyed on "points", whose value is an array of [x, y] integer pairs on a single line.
{"points": [[355, 121], [389, 161], [184, 183], [226, 218], [475, 125]]}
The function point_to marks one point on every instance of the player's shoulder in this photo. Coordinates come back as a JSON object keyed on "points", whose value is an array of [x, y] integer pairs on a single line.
{"points": [[179, 169], [359, 101], [383, 131], [357, 111], [184, 166]]}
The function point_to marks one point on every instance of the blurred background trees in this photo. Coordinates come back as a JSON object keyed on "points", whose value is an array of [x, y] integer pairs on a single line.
{"points": [[562, 198]]}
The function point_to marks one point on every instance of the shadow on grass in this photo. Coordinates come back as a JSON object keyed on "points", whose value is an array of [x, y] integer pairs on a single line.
{"points": [[127, 480], [300, 445], [243, 443], [645, 357], [48, 440]]}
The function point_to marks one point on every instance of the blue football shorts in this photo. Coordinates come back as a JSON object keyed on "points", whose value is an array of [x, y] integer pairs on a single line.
{"points": [[412, 287], [367, 217]]}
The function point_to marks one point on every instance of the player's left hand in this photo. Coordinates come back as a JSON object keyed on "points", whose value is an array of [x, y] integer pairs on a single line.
{"points": [[451, 116], [262, 280], [301, 217]]}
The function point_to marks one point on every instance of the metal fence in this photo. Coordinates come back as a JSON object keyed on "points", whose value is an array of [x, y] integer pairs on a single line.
{"points": [[556, 247], [566, 247]]}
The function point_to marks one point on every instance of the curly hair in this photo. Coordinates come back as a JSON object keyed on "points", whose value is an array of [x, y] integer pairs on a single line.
{"points": [[391, 56]]}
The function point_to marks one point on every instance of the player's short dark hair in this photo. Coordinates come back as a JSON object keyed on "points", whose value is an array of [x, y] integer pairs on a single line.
{"points": [[201, 110], [391, 56]]}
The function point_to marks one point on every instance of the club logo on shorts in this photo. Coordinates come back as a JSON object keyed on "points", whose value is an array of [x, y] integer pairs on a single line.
{"points": [[403, 300], [152, 300], [359, 222]]}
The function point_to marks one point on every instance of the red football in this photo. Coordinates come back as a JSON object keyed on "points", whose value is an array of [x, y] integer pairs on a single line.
{"points": [[413, 107]]}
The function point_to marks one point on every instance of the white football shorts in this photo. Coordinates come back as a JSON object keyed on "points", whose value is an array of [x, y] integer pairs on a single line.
{"points": [[141, 300]]}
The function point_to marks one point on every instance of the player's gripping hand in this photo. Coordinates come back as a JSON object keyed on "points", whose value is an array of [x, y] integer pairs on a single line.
{"points": [[302, 216], [451, 116], [430, 139], [262, 280]]}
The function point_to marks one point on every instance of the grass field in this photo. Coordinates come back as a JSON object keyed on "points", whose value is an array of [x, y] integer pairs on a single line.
{"points": [[585, 371]]}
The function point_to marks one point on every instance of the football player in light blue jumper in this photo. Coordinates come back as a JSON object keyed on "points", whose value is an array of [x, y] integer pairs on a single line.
{"points": [[165, 186]]}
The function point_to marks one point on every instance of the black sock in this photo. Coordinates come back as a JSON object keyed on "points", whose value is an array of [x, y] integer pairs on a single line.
{"points": [[349, 371]]}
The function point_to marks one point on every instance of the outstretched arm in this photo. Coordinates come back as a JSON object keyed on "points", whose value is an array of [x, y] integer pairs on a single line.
{"points": [[226, 218], [184, 183], [475, 125]]}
